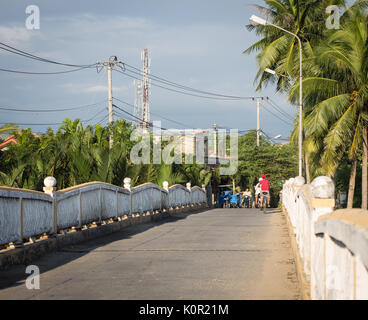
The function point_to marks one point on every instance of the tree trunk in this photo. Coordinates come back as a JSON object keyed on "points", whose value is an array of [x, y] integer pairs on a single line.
{"points": [[352, 183], [307, 174], [364, 170]]}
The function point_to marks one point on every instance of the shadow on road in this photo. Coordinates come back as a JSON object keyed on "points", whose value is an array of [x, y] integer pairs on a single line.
{"points": [[15, 275]]}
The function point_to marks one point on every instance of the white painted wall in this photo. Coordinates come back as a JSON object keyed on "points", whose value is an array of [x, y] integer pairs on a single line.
{"points": [[333, 245]]}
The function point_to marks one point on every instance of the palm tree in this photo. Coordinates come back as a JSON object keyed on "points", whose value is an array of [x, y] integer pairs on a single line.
{"points": [[336, 96], [278, 50], [8, 128]]}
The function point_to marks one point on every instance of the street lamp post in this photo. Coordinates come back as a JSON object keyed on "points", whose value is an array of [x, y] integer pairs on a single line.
{"points": [[254, 20]]}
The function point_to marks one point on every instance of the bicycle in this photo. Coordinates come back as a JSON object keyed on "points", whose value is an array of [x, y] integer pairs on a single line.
{"points": [[264, 201]]}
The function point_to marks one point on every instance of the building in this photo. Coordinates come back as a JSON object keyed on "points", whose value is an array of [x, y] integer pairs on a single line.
{"points": [[12, 139]]}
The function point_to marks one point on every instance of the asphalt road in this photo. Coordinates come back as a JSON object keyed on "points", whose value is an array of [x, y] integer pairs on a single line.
{"points": [[216, 254]]}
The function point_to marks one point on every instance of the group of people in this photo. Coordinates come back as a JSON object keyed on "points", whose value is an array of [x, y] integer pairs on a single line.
{"points": [[261, 189]]}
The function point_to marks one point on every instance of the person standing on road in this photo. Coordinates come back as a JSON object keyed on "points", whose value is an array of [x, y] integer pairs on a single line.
{"points": [[265, 190]]}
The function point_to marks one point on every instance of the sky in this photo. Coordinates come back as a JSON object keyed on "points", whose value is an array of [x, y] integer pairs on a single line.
{"points": [[197, 43]]}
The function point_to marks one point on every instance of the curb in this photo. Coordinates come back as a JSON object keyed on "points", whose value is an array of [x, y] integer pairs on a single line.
{"points": [[304, 284]]}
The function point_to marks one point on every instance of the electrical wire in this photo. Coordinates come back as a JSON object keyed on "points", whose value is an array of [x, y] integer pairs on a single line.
{"points": [[148, 123], [41, 73], [16, 51], [277, 108], [57, 123], [275, 115], [102, 120], [174, 84], [183, 92], [152, 113], [34, 57], [50, 110]]}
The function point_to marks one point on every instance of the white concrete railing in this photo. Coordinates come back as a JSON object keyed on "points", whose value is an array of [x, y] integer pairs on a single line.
{"points": [[26, 213], [333, 246]]}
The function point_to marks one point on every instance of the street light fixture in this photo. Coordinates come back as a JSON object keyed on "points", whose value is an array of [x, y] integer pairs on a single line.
{"points": [[270, 71], [273, 72], [255, 21]]}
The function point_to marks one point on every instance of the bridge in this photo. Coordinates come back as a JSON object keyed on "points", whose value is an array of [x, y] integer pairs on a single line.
{"points": [[98, 241]]}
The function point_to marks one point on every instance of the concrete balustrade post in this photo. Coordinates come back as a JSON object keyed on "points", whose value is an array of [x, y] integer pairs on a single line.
{"points": [[299, 182], [165, 185], [202, 200], [127, 185], [322, 191], [50, 186], [189, 187], [50, 189]]}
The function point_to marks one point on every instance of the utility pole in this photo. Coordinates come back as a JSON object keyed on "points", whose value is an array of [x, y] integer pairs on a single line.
{"points": [[215, 140], [258, 100], [258, 121], [110, 65], [111, 116]]}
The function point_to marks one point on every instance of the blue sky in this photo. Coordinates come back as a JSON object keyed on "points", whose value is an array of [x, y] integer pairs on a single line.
{"points": [[195, 43]]}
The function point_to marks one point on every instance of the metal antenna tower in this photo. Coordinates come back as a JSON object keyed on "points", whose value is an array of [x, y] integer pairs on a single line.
{"points": [[138, 112], [146, 90]]}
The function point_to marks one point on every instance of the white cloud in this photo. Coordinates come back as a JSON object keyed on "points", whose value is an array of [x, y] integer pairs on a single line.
{"points": [[100, 88], [87, 88], [15, 36]]}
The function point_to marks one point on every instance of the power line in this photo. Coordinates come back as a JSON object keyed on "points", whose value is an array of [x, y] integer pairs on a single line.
{"points": [[173, 121], [103, 119], [174, 84], [186, 93], [50, 110], [34, 57], [124, 116], [132, 115], [35, 124], [16, 51], [277, 108], [94, 116], [54, 124], [42, 73], [275, 115]]}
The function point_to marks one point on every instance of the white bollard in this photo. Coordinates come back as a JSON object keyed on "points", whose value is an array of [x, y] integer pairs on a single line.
{"points": [[50, 186], [323, 188], [165, 185], [127, 183], [299, 181]]}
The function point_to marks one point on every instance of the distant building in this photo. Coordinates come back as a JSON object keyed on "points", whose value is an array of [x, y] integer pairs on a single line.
{"points": [[198, 143], [12, 139]]}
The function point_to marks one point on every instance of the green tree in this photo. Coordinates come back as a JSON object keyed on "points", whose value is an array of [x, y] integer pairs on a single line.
{"points": [[336, 96], [278, 50]]}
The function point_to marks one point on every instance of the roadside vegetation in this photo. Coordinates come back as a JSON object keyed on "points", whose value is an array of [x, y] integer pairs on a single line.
{"points": [[335, 90], [75, 154]]}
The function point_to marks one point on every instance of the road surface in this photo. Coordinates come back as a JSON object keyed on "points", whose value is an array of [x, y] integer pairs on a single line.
{"points": [[215, 254]]}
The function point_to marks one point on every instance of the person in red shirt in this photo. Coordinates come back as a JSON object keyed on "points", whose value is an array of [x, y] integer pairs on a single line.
{"points": [[265, 190]]}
